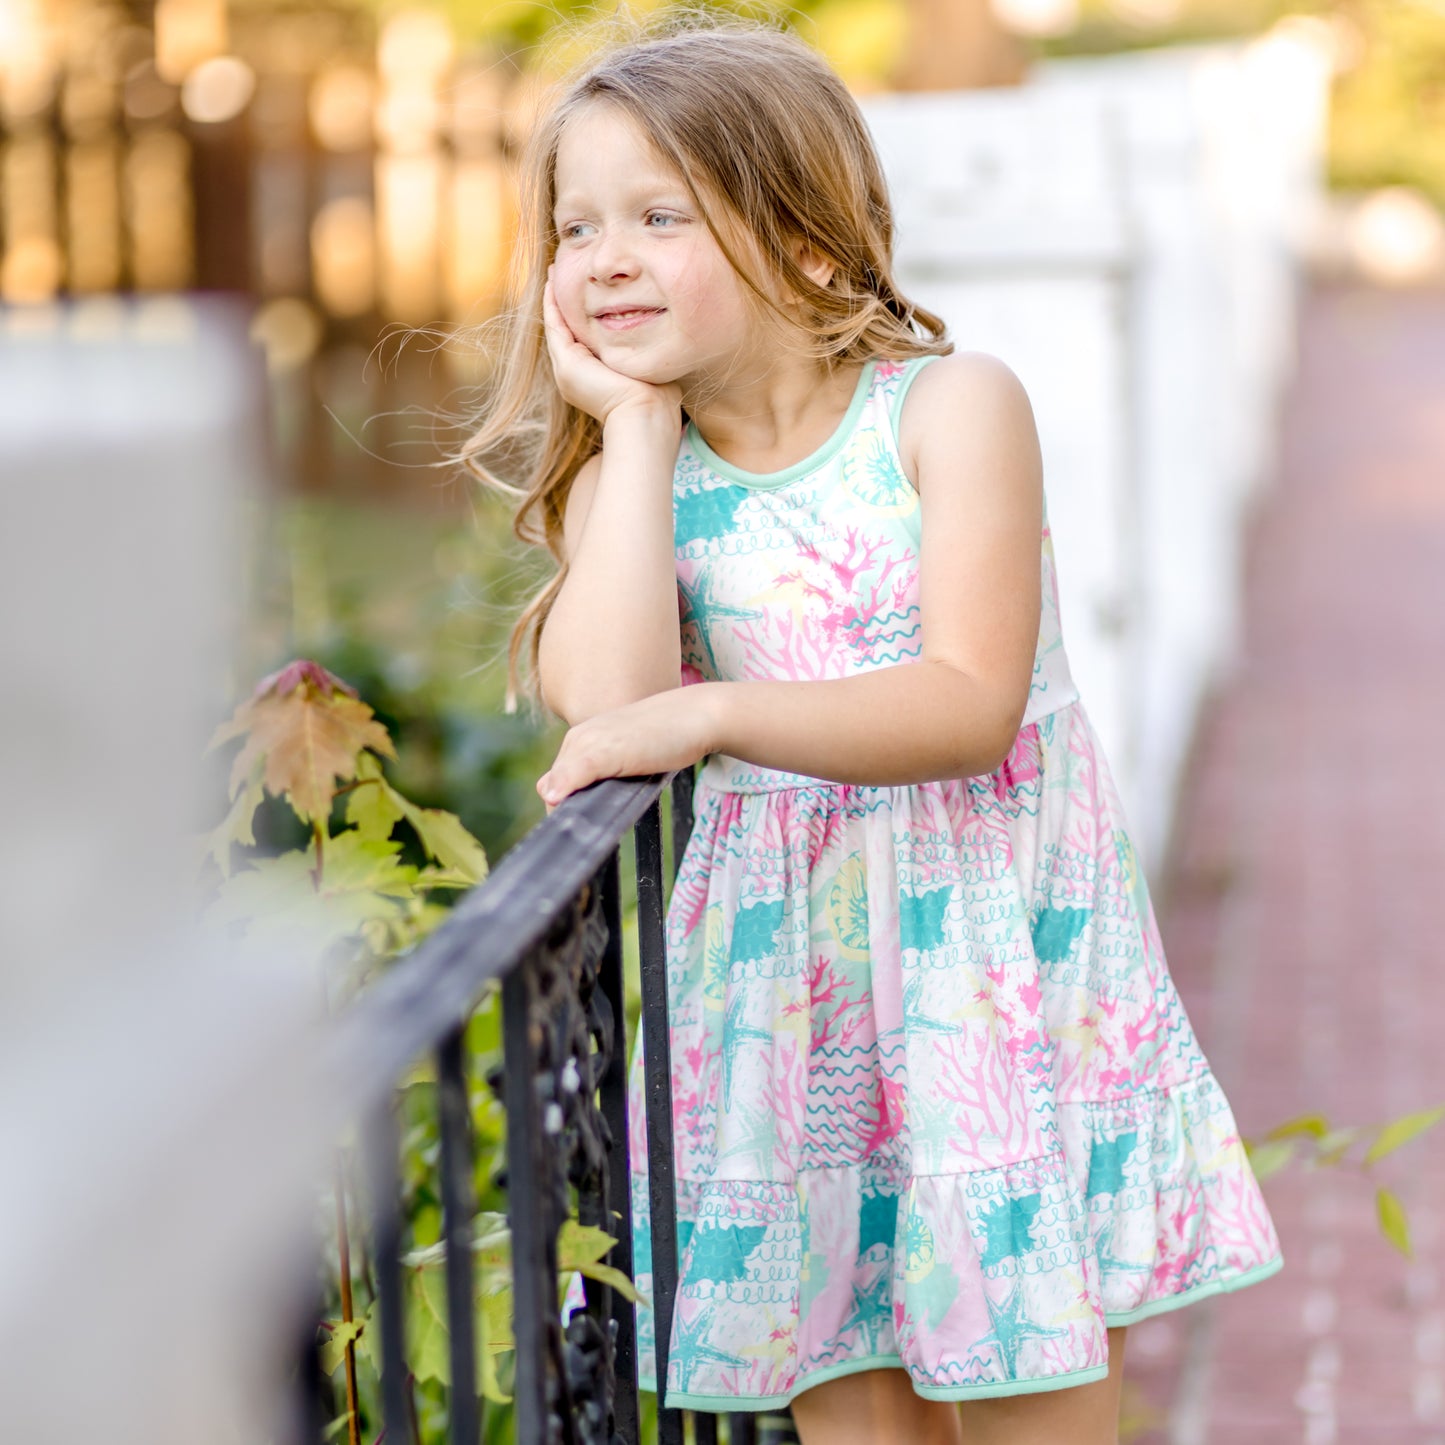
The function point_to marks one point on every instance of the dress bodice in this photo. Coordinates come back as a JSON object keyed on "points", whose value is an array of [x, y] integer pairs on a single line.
{"points": [[813, 572]]}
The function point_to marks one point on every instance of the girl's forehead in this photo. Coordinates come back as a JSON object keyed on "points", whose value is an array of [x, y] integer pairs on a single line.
{"points": [[597, 132]]}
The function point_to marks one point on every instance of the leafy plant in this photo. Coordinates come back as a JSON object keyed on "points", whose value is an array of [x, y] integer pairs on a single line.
{"points": [[310, 741], [1312, 1139], [367, 883]]}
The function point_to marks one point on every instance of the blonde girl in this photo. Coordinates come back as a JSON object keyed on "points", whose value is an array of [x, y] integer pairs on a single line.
{"points": [[943, 1130]]}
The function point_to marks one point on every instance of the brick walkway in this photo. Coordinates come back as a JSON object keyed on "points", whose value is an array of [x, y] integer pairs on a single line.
{"points": [[1300, 915]]}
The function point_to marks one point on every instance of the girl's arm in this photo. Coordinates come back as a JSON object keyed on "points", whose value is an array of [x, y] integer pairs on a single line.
{"points": [[968, 437], [612, 635]]}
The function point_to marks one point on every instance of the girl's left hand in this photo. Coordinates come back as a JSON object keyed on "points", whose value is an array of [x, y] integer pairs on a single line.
{"points": [[657, 734]]}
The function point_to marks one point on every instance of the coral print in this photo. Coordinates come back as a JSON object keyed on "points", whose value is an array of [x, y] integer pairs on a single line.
{"points": [[936, 1101]]}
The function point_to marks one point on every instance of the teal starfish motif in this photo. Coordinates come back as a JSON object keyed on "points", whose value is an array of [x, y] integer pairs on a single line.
{"points": [[1011, 1327], [690, 1348], [1104, 1253], [913, 1011], [735, 1032], [754, 1142], [702, 608], [870, 1302]]}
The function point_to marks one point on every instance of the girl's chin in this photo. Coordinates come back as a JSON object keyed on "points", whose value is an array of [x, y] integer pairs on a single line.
{"points": [[638, 368]]}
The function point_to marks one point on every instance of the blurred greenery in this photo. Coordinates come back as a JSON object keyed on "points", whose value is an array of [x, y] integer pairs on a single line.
{"points": [[1388, 120], [1387, 112], [1387, 125], [413, 608]]}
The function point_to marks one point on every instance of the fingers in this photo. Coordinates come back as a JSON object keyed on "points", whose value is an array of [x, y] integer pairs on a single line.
{"points": [[582, 759], [559, 334], [551, 312]]}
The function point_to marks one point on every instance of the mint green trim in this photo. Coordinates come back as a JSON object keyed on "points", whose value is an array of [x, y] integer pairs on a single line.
{"points": [[994, 1389], [1116, 1319], [721, 1404], [895, 412], [1013, 1387], [766, 481]]}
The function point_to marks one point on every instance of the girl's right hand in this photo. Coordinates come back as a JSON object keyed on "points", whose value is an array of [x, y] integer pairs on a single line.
{"points": [[590, 384]]}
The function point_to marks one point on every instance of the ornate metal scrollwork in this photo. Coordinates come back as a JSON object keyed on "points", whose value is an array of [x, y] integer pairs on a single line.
{"points": [[570, 1030]]}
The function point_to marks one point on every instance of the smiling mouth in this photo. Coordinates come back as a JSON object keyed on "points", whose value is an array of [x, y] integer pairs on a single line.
{"points": [[623, 318]]}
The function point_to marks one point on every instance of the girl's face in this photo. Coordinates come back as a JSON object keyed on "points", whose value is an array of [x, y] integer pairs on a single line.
{"points": [[638, 274]]}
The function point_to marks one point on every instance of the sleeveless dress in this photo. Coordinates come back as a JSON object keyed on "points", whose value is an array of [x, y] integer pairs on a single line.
{"points": [[936, 1101]]}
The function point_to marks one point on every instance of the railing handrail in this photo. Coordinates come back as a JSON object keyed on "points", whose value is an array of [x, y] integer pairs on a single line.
{"points": [[422, 997], [547, 926]]}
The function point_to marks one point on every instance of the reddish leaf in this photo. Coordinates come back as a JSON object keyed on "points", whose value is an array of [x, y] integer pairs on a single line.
{"points": [[307, 727]]}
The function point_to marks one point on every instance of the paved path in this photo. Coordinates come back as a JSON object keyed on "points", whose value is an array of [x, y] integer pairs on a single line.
{"points": [[1302, 912]]}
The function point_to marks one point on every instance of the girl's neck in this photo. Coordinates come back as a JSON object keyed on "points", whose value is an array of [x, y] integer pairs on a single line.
{"points": [[773, 414]]}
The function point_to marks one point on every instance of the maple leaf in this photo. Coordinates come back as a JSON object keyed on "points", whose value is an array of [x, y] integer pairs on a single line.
{"points": [[306, 728], [375, 806], [238, 825]]}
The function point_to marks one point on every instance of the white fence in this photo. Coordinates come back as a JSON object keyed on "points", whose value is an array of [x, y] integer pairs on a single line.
{"points": [[1121, 232], [160, 1115]]}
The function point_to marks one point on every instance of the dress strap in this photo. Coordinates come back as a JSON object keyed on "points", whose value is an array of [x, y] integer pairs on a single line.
{"points": [[895, 411]]}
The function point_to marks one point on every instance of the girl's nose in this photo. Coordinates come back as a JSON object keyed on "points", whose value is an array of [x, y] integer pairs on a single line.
{"points": [[612, 259]]}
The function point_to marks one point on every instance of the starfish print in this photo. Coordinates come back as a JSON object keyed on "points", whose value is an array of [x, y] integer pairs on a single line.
{"points": [[1011, 1327], [1103, 1252], [913, 1010], [735, 1032], [702, 608], [869, 1302], [690, 1349], [754, 1143]]}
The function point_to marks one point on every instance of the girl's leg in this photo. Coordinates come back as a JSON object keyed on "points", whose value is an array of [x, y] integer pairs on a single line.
{"points": [[879, 1407], [873, 1407], [1081, 1415]]}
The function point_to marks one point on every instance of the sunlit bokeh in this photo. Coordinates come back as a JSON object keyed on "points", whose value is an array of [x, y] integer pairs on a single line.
{"points": [[355, 159]]}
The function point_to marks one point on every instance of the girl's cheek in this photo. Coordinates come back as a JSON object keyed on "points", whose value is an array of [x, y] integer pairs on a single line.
{"points": [[568, 279]]}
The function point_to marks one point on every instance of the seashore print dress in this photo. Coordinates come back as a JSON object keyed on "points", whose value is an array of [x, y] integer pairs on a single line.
{"points": [[936, 1102]]}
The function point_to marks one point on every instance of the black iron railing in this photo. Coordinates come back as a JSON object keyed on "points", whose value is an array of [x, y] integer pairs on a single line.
{"points": [[547, 924]]}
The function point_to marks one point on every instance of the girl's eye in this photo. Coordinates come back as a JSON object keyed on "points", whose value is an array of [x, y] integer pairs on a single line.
{"points": [[574, 231], [662, 219]]}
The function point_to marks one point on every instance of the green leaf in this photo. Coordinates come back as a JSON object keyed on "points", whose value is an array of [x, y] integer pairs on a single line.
{"points": [[267, 886], [334, 1429], [579, 1244], [1269, 1158], [442, 834], [426, 1324], [484, 1028], [610, 1274], [354, 864], [237, 827], [366, 1338], [276, 902], [443, 878], [333, 1352], [446, 840], [1401, 1131], [492, 1246], [422, 1071], [493, 1337], [371, 806], [1315, 1125], [1335, 1145], [1393, 1223], [495, 1317]]}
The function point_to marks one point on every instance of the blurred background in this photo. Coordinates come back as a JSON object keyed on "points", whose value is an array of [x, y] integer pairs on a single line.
{"points": [[248, 256], [341, 169]]}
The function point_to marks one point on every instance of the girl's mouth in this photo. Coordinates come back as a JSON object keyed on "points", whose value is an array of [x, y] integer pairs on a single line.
{"points": [[625, 318]]}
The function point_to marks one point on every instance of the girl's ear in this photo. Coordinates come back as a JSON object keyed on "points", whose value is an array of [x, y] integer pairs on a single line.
{"points": [[813, 264]]}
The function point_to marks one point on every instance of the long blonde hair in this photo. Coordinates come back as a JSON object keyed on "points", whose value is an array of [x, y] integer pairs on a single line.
{"points": [[774, 150]]}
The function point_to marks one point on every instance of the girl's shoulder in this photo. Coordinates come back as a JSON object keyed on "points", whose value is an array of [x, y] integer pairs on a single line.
{"points": [[969, 399]]}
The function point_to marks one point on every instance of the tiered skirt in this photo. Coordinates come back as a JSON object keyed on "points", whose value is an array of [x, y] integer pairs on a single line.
{"points": [[936, 1102]]}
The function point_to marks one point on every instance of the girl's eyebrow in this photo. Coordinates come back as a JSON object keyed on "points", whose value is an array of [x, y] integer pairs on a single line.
{"points": [[646, 191]]}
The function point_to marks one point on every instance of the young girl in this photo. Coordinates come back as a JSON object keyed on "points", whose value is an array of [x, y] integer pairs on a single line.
{"points": [[942, 1127]]}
